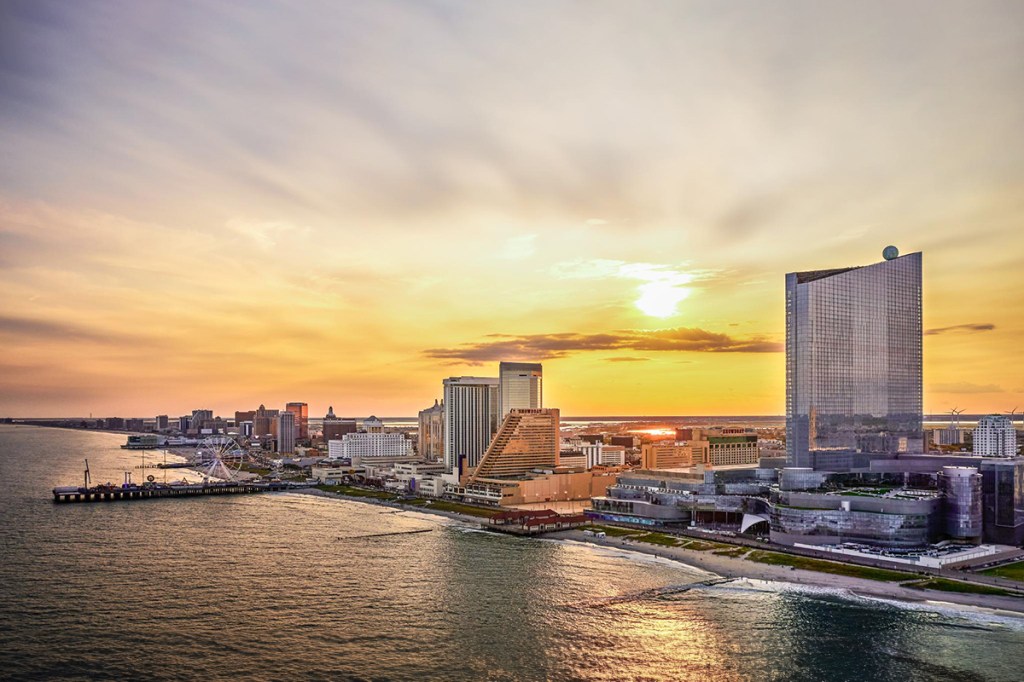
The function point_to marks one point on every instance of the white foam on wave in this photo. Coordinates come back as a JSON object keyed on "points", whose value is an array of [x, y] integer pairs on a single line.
{"points": [[976, 616], [630, 555]]}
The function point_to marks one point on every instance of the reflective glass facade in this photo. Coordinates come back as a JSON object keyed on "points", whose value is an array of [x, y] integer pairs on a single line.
{"points": [[522, 386], [962, 486], [853, 361]]}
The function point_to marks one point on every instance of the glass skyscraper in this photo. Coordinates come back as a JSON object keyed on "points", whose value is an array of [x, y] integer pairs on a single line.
{"points": [[853, 364], [522, 386]]}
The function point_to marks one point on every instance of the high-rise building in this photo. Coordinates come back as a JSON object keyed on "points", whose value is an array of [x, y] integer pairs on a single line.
{"points": [[471, 406], [161, 422], [286, 431], [521, 386], [244, 416], [431, 432], [527, 440], [853, 363], [995, 437], [301, 412], [198, 417], [335, 427], [263, 421]]}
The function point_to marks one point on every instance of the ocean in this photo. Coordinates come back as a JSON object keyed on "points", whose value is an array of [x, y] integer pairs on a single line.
{"points": [[290, 586]]}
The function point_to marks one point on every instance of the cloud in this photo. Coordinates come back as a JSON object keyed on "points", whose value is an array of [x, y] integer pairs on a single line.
{"points": [[957, 328], [28, 327], [626, 359], [550, 346], [966, 387]]}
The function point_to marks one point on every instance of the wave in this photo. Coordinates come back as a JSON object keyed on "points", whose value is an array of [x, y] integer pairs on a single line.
{"points": [[955, 615]]}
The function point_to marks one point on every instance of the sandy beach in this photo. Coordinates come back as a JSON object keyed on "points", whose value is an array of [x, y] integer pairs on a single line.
{"points": [[736, 567]]}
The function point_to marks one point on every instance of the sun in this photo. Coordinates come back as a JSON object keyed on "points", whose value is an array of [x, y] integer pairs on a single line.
{"points": [[659, 299]]}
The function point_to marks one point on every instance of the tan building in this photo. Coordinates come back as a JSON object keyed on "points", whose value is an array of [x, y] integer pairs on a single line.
{"points": [[335, 427], [431, 432], [526, 440], [668, 456], [301, 419], [730, 447], [558, 486], [710, 447]]}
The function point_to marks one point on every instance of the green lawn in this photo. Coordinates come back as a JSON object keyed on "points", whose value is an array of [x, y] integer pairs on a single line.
{"points": [[615, 531], [807, 564], [442, 505], [1009, 571], [955, 586], [704, 545], [733, 552], [357, 492], [457, 508], [658, 539]]}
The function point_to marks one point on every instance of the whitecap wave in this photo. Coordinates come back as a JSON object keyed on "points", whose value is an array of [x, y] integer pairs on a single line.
{"points": [[955, 614]]}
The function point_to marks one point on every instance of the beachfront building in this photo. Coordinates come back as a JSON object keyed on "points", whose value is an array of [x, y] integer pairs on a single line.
{"points": [[892, 518], [853, 363], [471, 407], [558, 484], [528, 439]]}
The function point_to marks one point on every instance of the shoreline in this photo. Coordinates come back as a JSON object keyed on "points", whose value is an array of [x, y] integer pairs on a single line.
{"points": [[739, 568], [454, 516], [735, 568]]}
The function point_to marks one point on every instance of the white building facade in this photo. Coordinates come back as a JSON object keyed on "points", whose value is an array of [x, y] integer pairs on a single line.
{"points": [[471, 407], [995, 437], [370, 446]]}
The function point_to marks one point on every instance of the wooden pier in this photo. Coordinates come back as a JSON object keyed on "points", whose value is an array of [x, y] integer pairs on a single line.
{"points": [[110, 493]]}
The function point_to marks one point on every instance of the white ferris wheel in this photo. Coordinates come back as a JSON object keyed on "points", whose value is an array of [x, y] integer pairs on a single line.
{"points": [[220, 457]]}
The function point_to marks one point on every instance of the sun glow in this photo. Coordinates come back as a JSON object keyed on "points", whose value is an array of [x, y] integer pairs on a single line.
{"points": [[660, 299]]}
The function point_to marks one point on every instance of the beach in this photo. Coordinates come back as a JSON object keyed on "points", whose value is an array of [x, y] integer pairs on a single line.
{"points": [[739, 568], [736, 567]]}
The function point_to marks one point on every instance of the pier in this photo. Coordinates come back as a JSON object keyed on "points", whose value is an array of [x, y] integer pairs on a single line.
{"points": [[111, 493]]}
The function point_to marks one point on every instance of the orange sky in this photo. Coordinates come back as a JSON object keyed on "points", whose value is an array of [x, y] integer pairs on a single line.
{"points": [[214, 207]]}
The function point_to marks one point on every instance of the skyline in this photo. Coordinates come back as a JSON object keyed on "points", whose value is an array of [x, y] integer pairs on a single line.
{"points": [[221, 207]]}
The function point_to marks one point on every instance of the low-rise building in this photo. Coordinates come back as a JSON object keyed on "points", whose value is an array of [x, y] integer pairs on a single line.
{"points": [[330, 473], [378, 446]]}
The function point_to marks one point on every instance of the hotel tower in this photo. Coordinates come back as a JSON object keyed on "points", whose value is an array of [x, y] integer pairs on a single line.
{"points": [[853, 363]]}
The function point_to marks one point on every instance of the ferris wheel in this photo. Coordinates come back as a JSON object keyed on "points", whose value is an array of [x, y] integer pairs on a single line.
{"points": [[220, 457]]}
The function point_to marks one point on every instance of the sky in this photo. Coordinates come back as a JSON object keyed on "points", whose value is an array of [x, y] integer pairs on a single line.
{"points": [[222, 204]]}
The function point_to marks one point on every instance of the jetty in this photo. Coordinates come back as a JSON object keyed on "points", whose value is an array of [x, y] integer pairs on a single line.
{"points": [[152, 491]]}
